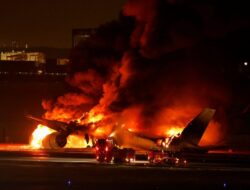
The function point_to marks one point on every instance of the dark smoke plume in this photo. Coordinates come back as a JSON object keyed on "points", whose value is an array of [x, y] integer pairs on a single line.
{"points": [[160, 64]]}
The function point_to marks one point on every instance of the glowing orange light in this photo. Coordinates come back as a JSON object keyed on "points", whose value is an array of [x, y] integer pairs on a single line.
{"points": [[73, 141], [39, 134], [174, 131], [95, 118], [77, 141]]}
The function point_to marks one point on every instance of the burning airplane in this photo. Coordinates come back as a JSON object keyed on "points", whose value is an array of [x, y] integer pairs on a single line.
{"points": [[187, 140], [54, 134], [121, 144], [151, 72]]}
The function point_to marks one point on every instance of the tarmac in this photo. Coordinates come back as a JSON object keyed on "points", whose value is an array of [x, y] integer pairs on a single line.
{"points": [[24, 168]]}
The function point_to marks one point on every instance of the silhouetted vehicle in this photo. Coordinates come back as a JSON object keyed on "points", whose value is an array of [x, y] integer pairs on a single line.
{"points": [[107, 151], [161, 157]]}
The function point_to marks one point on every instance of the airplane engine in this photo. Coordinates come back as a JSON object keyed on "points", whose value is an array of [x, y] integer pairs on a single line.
{"points": [[54, 141]]}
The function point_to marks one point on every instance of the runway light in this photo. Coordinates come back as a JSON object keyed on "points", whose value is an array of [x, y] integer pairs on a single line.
{"points": [[224, 184], [69, 182]]}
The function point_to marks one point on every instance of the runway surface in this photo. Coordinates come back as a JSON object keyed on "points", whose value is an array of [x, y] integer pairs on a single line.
{"points": [[24, 168]]}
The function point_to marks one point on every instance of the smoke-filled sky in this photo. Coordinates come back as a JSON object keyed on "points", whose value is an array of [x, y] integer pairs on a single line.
{"points": [[159, 65], [155, 67], [50, 22]]}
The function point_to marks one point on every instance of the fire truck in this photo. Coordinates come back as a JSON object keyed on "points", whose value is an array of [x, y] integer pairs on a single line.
{"points": [[107, 151]]}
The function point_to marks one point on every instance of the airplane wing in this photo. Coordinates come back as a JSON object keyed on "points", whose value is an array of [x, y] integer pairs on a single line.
{"points": [[63, 126], [56, 125]]}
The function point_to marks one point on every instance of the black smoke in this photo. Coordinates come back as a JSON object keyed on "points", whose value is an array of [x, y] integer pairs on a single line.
{"points": [[166, 55]]}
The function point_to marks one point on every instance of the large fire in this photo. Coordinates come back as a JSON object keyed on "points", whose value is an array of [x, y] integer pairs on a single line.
{"points": [[129, 72], [168, 123], [174, 131], [39, 134], [73, 141], [95, 118], [77, 141]]}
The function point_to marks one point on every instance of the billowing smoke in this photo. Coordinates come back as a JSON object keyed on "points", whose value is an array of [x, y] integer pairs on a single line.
{"points": [[154, 69]]}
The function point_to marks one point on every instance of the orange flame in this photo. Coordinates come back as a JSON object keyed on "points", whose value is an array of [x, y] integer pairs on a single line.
{"points": [[39, 134], [212, 134], [73, 141], [173, 131], [168, 123], [95, 118], [77, 141]]}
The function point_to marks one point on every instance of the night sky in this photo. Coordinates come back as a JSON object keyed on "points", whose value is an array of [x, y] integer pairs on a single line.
{"points": [[50, 22]]}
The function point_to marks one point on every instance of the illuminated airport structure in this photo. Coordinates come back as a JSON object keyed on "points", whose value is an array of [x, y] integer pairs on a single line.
{"points": [[37, 57], [18, 60]]}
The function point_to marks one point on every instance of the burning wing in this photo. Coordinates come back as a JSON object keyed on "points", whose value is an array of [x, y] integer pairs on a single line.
{"points": [[61, 130], [63, 126], [55, 125]]}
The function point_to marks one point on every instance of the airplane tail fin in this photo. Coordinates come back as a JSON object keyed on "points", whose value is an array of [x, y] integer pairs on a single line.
{"points": [[195, 129]]}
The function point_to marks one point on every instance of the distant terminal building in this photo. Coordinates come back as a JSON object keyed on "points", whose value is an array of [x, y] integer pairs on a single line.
{"points": [[22, 62], [32, 63], [81, 34], [37, 57]]}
